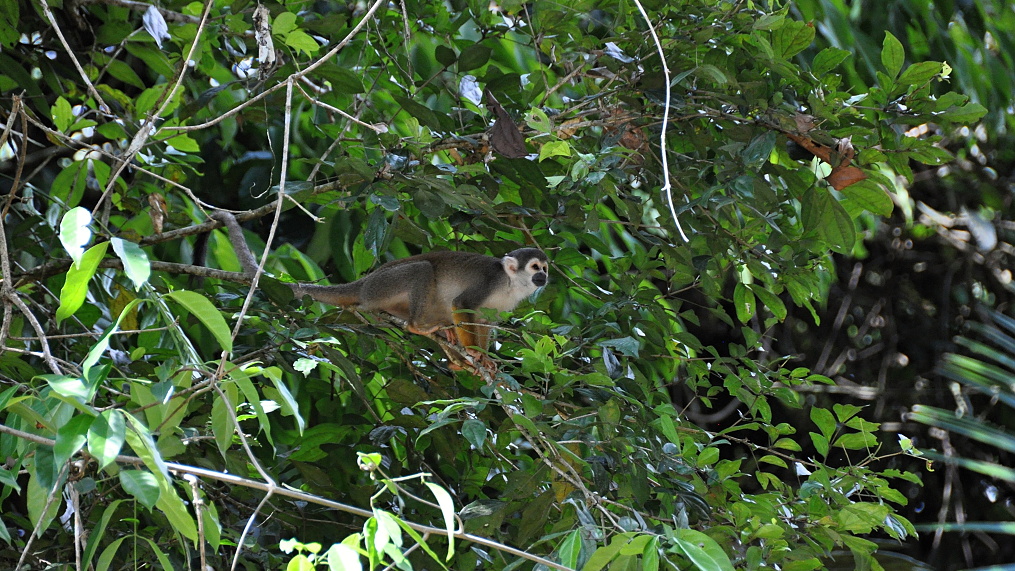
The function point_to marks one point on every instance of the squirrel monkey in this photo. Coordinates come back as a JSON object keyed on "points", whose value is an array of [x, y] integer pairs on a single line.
{"points": [[428, 291]]}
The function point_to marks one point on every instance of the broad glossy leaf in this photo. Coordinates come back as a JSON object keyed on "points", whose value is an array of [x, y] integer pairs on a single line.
{"points": [[135, 261], [448, 511], [71, 437], [106, 436], [142, 485], [702, 550], [206, 312], [74, 232], [75, 286]]}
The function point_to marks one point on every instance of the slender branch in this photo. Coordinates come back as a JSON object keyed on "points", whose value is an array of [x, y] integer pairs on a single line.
{"points": [[58, 266], [667, 187], [73, 56]]}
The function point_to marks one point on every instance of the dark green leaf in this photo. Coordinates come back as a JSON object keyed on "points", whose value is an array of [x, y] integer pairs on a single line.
{"points": [[473, 57], [445, 55]]}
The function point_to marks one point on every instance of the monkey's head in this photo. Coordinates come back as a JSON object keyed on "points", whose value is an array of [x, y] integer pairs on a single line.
{"points": [[527, 269]]}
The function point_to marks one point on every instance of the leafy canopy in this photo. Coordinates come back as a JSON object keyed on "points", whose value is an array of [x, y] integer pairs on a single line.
{"points": [[418, 125]]}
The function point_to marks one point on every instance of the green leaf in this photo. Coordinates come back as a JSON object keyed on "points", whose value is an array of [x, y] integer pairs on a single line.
{"points": [[929, 154], [771, 301], [824, 216], [920, 73], [289, 405], [448, 511], [702, 550], [98, 530], [757, 152], [206, 312], [708, 456], [75, 286], [445, 55], [135, 261], [342, 80], [74, 232], [73, 387], [856, 441], [473, 57], [38, 500], [63, 115], [969, 113], [569, 549], [222, 425], [69, 186], [821, 443], [892, 55], [425, 115], [743, 302], [343, 558], [870, 196], [253, 398], [823, 419], [771, 21], [474, 430], [142, 485], [102, 344], [554, 149], [793, 38], [302, 42], [827, 60], [106, 436], [183, 143], [71, 437], [283, 24], [712, 73]]}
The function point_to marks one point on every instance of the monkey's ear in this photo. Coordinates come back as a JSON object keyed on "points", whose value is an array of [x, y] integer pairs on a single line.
{"points": [[510, 264]]}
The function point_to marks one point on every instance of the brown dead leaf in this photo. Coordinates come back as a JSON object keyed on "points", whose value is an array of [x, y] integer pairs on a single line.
{"points": [[505, 137], [843, 174]]}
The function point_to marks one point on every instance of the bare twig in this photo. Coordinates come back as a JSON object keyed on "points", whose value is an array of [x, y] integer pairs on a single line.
{"points": [[49, 501], [667, 187], [74, 58]]}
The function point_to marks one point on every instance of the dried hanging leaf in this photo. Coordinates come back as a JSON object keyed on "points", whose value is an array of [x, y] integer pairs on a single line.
{"points": [[505, 137], [265, 45], [158, 212], [843, 174]]}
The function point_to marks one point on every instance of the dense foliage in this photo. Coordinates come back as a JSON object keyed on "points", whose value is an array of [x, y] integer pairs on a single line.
{"points": [[605, 438]]}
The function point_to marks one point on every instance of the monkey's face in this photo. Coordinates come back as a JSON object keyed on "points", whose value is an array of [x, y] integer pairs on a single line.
{"points": [[527, 272], [537, 271], [529, 267]]}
